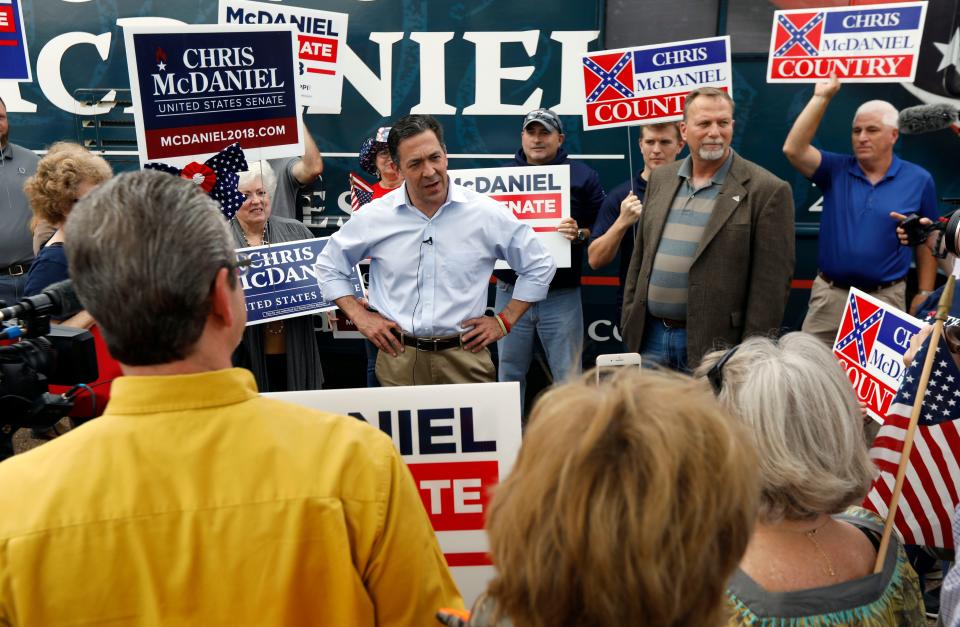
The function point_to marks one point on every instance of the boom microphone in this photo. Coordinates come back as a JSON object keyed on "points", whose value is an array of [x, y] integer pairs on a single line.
{"points": [[927, 118], [59, 301]]}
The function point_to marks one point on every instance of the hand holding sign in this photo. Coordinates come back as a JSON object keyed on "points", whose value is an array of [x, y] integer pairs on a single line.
{"points": [[630, 210], [568, 228]]}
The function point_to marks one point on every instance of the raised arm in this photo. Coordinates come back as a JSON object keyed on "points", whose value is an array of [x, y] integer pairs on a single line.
{"points": [[307, 169], [797, 147]]}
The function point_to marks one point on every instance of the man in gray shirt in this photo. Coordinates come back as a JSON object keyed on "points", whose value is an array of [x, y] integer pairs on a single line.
{"points": [[293, 174], [16, 243]]}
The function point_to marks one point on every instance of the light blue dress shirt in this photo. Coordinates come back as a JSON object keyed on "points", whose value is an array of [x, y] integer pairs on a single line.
{"points": [[430, 274]]}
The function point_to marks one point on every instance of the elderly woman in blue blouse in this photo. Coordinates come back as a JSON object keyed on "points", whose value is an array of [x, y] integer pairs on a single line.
{"points": [[811, 556], [282, 355]]}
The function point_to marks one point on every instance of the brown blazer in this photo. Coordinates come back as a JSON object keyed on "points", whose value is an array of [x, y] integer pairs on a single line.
{"points": [[740, 278]]}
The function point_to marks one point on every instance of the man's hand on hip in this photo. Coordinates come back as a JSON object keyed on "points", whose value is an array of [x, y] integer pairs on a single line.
{"points": [[379, 330], [481, 332]]}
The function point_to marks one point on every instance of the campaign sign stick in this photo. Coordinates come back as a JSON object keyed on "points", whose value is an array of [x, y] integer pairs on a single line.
{"points": [[537, 195], [870, 344], [14, 58], [869, 44], [198, 89], [281, 281], [648, 84], [458, 441], [321, 38]]}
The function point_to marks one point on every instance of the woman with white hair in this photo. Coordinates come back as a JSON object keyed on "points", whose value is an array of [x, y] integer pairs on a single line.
{"points": [[282, 355], [811, 556]]}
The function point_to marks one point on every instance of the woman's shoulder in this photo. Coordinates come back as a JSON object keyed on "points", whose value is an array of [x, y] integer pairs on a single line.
{"points": [[290, 229]]}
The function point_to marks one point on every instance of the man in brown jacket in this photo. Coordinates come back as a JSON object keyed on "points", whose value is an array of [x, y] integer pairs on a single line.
{"points": [[715, 251]]}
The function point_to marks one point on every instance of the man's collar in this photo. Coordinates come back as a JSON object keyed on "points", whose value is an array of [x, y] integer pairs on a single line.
{"points": [[152, 394], [455, 193], [718, 177], [895, 164], [7, 151]]}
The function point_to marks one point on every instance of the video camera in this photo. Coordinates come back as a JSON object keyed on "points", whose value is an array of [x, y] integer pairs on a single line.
{"points": [[947, 229], [45, 354]]}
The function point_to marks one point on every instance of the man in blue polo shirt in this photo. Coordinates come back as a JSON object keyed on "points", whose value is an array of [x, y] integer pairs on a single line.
{"points": [[857, 246]]}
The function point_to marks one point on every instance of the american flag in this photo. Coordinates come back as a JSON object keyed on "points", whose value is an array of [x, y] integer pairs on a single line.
{"points": [[360, 192], [932, 481]]}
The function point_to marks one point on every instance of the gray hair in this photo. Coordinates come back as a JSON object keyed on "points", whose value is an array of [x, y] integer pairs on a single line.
{"points": [[144, 250], [708, 92], [261, 170], [799, 407], [888, 113]]}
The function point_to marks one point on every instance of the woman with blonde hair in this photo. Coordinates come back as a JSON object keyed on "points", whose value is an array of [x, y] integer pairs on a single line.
{"points": [[629, 504], [64, 175], [811, 556]]}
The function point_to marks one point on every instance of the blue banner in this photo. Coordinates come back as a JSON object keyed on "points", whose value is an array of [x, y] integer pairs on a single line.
{"points": [[281, 282], [203, 88], [873, 20], [685, 55], [14, 60]]}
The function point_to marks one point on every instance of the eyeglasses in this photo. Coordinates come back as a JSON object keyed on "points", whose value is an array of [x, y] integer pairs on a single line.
{"points": [[262, 195], [715, 374], [243, 261]]}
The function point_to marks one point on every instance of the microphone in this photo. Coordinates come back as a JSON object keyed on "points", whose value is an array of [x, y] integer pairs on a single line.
{"points": [[927, 118], [59, 301], [429, 240]]}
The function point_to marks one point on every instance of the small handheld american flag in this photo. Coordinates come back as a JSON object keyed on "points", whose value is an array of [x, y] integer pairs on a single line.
{"points": [[931, 489], [360, 192]]}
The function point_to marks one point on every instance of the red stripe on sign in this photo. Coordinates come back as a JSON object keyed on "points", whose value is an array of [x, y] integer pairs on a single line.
{"points": [[801, 284], [8, 42], [193, 140], [467, 559], [531, 205], [600, 280], [317, 48], [886, 66], [635, 109], [544, 229], [317, 70]]}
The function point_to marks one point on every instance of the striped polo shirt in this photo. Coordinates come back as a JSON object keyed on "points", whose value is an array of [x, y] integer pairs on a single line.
{"points": [[686, 222]]}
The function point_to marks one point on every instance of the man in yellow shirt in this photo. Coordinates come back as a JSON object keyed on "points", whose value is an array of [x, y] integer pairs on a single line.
{"points": [[193, 500]]}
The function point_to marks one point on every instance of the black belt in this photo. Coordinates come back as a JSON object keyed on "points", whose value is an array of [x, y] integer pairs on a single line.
{"points": [[430, 344], [16, 269], [863, 288], [671, 323]]}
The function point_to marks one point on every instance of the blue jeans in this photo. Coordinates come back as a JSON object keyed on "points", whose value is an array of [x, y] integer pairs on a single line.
{"points": [[664, 346], [11, 288], [557, 320]]}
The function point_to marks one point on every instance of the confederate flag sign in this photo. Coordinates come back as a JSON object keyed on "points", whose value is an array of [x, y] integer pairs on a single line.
{"points": [[648, 84], [878, 43], [870, 344]]}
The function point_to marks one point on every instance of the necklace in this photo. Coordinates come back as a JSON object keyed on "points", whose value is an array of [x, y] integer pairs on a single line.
{"points": [[812, 536], [264, 239], [275, 328]]}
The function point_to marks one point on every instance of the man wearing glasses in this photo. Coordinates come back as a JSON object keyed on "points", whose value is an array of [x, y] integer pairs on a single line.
{"points": [[192, 499]]}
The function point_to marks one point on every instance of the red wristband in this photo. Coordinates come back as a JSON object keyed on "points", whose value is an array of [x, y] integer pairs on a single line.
{"points": [[502, 319]]}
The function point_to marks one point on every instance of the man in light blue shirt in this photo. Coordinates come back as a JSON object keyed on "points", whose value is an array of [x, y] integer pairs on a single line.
{"points": [[432, 246]]}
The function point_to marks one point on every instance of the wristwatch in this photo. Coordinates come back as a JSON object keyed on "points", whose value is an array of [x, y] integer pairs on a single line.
{"points": [[581, 235]]}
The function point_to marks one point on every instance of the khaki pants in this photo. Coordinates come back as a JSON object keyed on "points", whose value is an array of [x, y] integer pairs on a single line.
{"points": [[453, 365], [827, 304]]}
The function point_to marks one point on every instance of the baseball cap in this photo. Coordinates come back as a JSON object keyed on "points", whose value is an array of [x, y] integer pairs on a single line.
{"points": [[549, 119]]}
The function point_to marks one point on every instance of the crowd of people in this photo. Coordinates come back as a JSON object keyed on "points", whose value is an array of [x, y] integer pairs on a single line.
{"points": [[711, 487]]}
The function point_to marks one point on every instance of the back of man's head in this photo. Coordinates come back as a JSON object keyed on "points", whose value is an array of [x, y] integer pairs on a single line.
{"points": [[144, 249]]}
